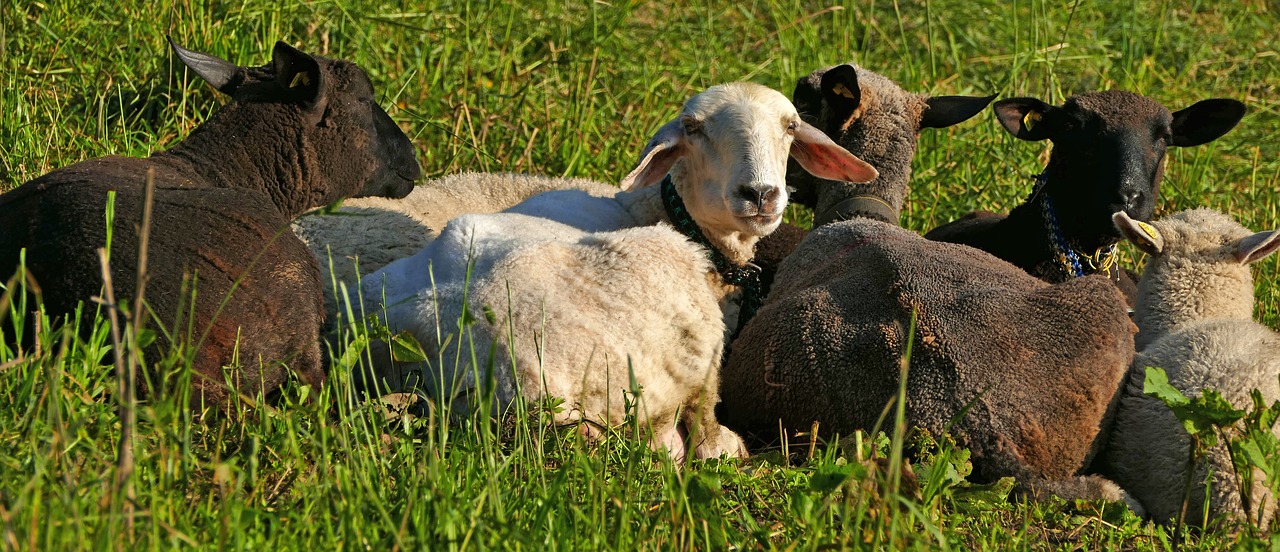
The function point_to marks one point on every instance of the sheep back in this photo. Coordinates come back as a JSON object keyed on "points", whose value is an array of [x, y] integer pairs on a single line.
{"points": [[377, 231], [209, 233], [574, 313], [1039, 364]]}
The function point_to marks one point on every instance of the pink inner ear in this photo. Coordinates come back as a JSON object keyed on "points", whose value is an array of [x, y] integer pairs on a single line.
{"points": [[1258, 246], [824, 158], [664, 148]]}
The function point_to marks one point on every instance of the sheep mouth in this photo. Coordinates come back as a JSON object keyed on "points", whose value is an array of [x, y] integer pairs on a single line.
{"points": [[761, 220]]}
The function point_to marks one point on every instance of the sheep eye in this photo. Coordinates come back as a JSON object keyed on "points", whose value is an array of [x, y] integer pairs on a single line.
{"points": [[692, 127], [792, 127]]}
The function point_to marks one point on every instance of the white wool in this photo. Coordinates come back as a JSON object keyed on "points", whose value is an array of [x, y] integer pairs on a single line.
{"points": [[588, 293], [1194, 315]]}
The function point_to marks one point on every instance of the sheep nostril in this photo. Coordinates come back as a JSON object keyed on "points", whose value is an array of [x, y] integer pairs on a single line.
{"points": [[771, 195], [752, 195], [1131, 199]]}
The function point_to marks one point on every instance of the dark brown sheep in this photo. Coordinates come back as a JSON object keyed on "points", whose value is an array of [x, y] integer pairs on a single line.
{"points": [[877, 121], [1038, 366], [298, 133], [885, 136], [1108, 154]]}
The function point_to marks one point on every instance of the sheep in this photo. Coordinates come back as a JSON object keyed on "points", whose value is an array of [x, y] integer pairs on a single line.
{"points": [[1034, 368], [1108, 155], [878, 121], [829, 99], [1195, 320], [300, 132], [365, 234], [577, 315]]}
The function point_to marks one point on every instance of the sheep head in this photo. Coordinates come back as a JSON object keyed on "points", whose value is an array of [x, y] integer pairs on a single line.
{"points": [[727, 152], [1108, 150], [1198, 269], [1203, 235], [350, 146], [875, 119]]}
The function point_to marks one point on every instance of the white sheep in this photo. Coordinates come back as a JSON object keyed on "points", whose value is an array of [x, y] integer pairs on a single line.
{"points": [[366, 234], [1195, 320], [579, 315]]}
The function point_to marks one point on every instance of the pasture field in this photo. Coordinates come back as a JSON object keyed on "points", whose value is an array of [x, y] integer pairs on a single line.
{"points": [[576, 88]]}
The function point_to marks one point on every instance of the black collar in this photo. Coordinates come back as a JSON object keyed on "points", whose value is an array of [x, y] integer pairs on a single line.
{"points": [[746, 276], [865, 206]]}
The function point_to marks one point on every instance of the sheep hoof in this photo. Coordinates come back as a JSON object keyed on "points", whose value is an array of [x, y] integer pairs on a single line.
{"points": [[722, 442]]}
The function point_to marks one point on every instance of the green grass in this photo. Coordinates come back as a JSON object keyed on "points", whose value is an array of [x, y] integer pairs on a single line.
{"points": [[573, 89]]}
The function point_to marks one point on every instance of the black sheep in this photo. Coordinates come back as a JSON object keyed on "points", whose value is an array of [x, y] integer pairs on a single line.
{"points": [[298, 133], [1108, 153]]}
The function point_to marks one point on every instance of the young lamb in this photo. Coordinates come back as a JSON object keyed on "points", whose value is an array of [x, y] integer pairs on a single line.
{"points": [[1108, 154], [1195, 320], [298, 133], [1033, 366], [367, 233], [578, 315]]}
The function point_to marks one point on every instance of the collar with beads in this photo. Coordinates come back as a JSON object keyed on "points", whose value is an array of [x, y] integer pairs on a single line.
{"points": [[745, 276], [1070, 262]]}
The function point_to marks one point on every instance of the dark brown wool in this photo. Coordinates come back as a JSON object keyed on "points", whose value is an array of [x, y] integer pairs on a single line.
{"points": [[298, 133]]}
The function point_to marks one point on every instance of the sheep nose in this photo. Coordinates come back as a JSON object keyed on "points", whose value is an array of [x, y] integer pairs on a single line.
{"points": [[1131, 197], [759, 197]]}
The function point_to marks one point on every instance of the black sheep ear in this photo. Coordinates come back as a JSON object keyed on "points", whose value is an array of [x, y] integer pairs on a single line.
{"points": [[1024, 117], [944, 111], [807, 99], [220, 73], [841, 92], [299, 74], [1139, 233], [1205, 121]]}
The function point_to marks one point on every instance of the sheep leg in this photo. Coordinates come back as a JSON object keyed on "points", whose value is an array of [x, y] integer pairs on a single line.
{"points": [[709, 439], [1087, 487]]}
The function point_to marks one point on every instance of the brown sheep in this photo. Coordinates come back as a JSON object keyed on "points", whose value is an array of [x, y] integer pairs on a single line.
{"points": [[1036, 366], [298, 133], [1108, 156]]}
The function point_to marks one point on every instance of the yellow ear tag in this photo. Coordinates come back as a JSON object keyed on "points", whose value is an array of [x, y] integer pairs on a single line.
{"points": [[843, 90], [300, 79], [1149, 230], [1030, 119]]}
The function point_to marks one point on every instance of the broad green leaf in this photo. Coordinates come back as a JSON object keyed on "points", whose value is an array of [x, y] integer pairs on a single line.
{"points": [[404, 348], [828, 478], [1157, 385]]}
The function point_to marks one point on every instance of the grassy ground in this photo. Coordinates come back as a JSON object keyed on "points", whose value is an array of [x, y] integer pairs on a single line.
{"points": [[573, 89]]}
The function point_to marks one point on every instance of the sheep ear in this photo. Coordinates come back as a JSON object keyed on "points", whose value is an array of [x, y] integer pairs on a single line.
{"points": [[1141, 234], [1022, 117], [841, 92], [655, 161], [1205, 121], [944, 111], [221, 74], [824, 158], [806, 98], [299, 74], [1258, 246]]}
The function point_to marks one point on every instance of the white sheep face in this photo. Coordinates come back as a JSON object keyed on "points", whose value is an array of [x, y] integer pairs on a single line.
{"points": [[727, 152]]}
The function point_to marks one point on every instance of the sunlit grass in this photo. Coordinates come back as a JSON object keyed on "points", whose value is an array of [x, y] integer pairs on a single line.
{"points": [[570, 89]]}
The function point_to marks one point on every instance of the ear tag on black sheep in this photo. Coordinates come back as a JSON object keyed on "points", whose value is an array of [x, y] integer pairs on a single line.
{"points": [[842, 90], [1030, 119], [300, 79]]}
